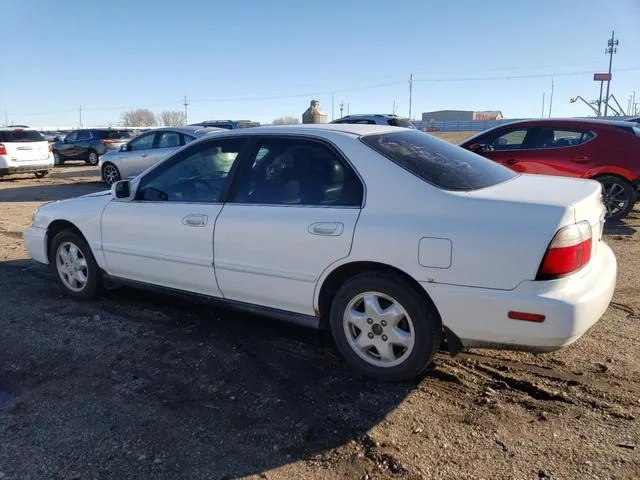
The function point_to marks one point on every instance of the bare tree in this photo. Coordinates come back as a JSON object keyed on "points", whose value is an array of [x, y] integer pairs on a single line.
{"points": [[172, 119], [286, 120], [142, 117]]}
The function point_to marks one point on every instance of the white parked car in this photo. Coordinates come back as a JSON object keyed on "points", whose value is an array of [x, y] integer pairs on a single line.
{"points": [[387, 236], [23, 150], [145, 150]]}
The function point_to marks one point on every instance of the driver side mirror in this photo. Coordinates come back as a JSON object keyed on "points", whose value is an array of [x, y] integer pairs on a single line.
{"points": [[122, 191]]}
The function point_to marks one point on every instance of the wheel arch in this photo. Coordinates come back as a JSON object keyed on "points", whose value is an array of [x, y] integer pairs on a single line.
{"points": [[334, 279], [58, 226]]}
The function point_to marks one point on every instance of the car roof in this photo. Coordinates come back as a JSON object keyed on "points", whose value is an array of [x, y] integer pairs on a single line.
{"points": [[313, 129], [14, 128], [565, 121]]}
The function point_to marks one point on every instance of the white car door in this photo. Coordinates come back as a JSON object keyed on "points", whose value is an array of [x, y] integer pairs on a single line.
{"points": [[164, 236], [291, 213]]}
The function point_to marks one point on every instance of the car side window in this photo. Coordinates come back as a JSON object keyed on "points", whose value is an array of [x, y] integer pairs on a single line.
{"points": [[196, 175], [143, 142], [287, 171], [557, 138], [72, 137], [187, 138], [510, 140], [84, 135], [168, 140]]}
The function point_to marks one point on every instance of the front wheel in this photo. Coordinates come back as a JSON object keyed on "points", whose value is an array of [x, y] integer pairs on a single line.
{"points": [[41, 174], [384, 327], [110, 173], [93, 158], [74, 266], [619, 196]]}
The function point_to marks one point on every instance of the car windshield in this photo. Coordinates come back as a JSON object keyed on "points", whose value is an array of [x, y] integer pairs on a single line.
{"points": [[438, 162], [20, 136], [400, 122], [116, 134]]}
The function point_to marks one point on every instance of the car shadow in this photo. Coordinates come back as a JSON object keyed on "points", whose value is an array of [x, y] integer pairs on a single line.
{"points": [[48, 192], [626, 226], [198, 392]]}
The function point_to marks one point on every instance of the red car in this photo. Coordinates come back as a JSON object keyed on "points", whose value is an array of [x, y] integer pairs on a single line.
{"points": [[607, 151]]}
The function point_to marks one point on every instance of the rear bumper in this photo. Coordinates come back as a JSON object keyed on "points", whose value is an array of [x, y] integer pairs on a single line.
{"points": [[571, 306], [9, 166], [25, 169], [35, 241]]}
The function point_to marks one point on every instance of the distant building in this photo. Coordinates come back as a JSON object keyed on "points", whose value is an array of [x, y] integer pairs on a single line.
{"points": [[458, 115]]}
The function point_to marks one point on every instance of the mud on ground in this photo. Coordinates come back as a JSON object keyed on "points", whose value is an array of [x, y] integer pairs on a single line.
{"points": [[139, 386]]}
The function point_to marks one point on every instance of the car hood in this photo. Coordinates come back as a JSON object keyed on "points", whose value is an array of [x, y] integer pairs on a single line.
{"points": [[95, 194]]}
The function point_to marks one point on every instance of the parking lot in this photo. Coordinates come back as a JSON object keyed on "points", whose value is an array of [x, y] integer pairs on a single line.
{"points": [[139, 386]]}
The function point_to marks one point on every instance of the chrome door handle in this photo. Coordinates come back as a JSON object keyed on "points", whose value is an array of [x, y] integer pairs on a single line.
{"points": [[326, 228], [195, 220]]}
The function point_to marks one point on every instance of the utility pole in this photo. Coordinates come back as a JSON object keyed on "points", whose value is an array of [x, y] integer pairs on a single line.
{"points": [[332, 105], [80, 115], [6, 118], [542, 115], [348, 108], [611, 49], [551, 99], [185, 110], [410, 93], [341, 107], [394, 108]]}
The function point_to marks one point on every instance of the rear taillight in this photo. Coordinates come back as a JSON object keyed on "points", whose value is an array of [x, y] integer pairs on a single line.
{"points": [[3, 149], [570, 250], [106, 141]]}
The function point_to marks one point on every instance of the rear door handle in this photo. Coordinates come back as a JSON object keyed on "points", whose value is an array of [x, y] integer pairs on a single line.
{"points": [[195, 220], [326, 228], [581, 159], [511, 161]]}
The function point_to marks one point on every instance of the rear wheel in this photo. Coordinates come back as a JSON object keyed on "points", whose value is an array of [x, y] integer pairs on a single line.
{"points": [[384, 328], [41, 174], [619, 196], [93, 158], [74, 266]]}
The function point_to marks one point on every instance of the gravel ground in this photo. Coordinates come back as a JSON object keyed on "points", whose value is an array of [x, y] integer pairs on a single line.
{"points": [[139, 386]]}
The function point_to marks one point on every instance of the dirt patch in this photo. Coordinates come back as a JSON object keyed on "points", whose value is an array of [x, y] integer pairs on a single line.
{"points": [[133, 385]]}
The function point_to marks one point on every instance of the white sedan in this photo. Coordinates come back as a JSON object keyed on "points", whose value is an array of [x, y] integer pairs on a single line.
{"points": [[389, 237]]}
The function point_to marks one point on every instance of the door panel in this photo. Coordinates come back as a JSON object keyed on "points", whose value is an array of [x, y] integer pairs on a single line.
{"points": [[273, 255], [165, 236], [291, 214], [155, 243]]}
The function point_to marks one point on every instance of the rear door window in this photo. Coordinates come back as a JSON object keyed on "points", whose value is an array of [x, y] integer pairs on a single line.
{"points": [[168, 140], [115, 134], [438, 162], [20, 136]]}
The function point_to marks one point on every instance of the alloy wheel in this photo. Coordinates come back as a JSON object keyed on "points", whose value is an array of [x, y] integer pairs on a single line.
{"points": [[379, 329], [72, 268]]}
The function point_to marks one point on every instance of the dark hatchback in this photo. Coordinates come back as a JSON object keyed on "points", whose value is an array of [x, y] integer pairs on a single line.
{"points": [[88, 144]]}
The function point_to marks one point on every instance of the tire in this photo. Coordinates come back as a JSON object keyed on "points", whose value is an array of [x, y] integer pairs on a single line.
{"points": [[41, 174], [619, 196], [93, 157], [418, 327], [110, 173], [57, 159], [79, 276]]}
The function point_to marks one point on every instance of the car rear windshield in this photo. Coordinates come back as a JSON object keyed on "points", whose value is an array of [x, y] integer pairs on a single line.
{"points": [[399, 122], [438, 162], [20, 136], [115, 134]]}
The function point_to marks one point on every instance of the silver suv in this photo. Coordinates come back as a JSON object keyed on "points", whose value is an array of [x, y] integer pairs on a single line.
{"points": [[377, 119]]}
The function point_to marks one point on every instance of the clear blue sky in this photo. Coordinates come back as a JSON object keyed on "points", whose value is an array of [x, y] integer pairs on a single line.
{"points": [[263, 59]]}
